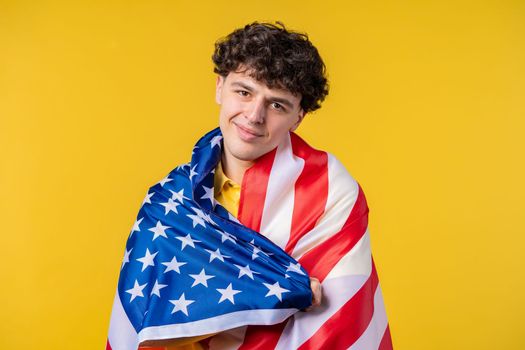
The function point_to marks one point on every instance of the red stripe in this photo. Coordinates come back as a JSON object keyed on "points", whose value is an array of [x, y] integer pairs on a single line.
{"points": [[321, 260], [386, 342], [329, 253], [253, 191], [312, 180], [358, 311], [251, 206], [311, 184], [346, 326], [108, 346]]}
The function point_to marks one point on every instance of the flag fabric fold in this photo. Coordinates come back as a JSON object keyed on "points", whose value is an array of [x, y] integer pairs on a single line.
{"points": [[190, 268]]}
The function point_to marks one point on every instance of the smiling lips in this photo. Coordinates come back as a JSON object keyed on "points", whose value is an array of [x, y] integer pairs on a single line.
{"points": [[246, 134]]}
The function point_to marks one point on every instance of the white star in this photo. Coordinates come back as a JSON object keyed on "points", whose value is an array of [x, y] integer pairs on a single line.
{"points": [[209, 219], [159, 230], [182, 166], [196, 220], [173, 265], [225, 236], [157, 287], [215, 141], [227, 293], [147, 199], [178, 196], [147, 260], [187, 240], [166, 179], [201, 278], [126, 257], [295, 268], [193, 172], [171, 205], [233, 218], [136, 291], [275, 289], [136, 227], [181, 305], [216, 255], [245, 270], [255, 253], [208, 193], [201, 214]]}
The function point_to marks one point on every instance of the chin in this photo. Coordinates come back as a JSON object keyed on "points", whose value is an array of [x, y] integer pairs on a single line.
{"points": [[246, 157], [243, 151]]}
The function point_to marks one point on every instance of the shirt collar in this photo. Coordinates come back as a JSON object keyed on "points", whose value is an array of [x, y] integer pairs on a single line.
{"points": [[221, 180]]}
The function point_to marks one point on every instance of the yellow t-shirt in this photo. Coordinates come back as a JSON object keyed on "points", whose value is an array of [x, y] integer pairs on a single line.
{"points": [[227, 193]]}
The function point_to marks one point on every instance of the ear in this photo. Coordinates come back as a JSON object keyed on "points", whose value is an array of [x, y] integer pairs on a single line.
{"points": [[218, 89], [301, 117]]}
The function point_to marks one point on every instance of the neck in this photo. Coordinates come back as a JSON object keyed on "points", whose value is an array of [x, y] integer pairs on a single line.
{"points": [[234, 168]]}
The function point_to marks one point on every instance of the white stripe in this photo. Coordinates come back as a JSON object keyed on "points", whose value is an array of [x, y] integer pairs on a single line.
{"points": [[342, 195], [336, 292], [371, 337], [339, 286], [216, 324], [276, 221], [356, 262], [121, 335]]}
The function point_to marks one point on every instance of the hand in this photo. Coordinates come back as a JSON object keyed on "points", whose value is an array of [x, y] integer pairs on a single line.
{"points": [[317, 293]]}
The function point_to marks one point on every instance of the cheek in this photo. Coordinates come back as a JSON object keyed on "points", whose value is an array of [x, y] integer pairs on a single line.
{"points": [[279, 128], [232, 103], [226, 112]]}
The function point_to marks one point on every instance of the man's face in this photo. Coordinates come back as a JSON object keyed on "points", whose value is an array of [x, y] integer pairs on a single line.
{"points": [[254, 119]]}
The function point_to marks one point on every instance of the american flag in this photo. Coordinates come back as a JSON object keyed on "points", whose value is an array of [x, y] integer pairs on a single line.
{"points": [[190, 268]]}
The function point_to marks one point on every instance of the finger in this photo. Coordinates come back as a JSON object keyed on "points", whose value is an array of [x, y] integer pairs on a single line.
{"points": [[315, 285], [317, 295]]}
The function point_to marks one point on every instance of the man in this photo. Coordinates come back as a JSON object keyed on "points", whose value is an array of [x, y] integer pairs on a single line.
{"points": [[274, 200]]}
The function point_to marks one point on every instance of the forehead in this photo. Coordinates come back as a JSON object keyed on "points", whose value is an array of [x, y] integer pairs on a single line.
{"points": [[244, 77]]}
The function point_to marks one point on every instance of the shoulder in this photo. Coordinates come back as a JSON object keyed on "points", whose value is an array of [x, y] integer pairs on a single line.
{"points": [[322, 161], [179, 173], [339, 177], [344, 190], [176, 184]]}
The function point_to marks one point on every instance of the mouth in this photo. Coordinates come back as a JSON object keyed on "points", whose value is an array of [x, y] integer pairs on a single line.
{"points": [[247, 134]]}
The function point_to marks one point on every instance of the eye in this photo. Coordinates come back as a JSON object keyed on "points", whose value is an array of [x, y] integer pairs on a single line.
{"points": [[278, 106], [243, 93]]}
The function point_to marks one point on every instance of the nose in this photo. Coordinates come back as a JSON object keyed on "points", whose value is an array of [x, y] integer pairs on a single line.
{"points": [[256, 112]]}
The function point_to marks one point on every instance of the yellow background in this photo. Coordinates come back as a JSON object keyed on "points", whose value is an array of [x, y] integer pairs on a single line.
{"points": [[101, 99]]}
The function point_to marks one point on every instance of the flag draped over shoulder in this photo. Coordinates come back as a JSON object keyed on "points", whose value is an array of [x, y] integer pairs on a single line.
{"points": [[190, 268]]}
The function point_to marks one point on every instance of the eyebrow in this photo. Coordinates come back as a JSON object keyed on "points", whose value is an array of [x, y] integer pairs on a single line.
{"points": [[280, 100], [244, 86]]}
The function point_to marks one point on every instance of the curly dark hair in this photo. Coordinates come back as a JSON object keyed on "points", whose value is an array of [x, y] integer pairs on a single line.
{"points": [[276, 56]]}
